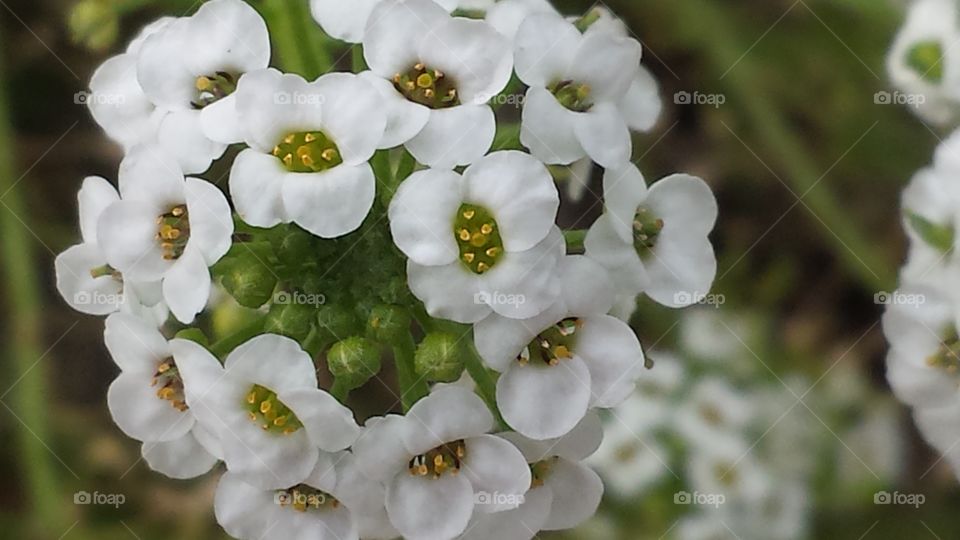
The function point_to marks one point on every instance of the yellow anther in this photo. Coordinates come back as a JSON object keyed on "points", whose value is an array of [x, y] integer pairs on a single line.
{"points": [[561, 351], [482, 267], [280, 421], [165, 393], [163, 368], [289, 138], [251, 416], [265, 406], [418, 66], [468, 257], [429, 93], [177, 211], [252, 398], [464, 234], [309, 137], [289, 430], [306, 160], [396, 78], [437, 74], [493, 252], [486, 228], [329, 154], [203, 83], [469, 214], [422, 470], [410, 85], [288, 160], [438, 461]]}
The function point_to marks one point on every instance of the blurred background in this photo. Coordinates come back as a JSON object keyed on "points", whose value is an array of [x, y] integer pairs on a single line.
{"points": [[773, 102]]}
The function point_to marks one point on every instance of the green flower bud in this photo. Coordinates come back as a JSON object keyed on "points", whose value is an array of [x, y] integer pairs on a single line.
{"points": [[439, 358], [353, 361], [388, 323], [247, 276], [291, 320], [292, 246], [94, 24], [335, 323]]}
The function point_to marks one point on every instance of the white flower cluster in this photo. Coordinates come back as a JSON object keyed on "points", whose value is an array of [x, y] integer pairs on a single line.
{"points": [[471, 237]]}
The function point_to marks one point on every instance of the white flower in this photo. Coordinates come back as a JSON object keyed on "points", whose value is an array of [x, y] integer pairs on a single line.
{"points": [[84, 278], [713, 411], [348, 22], [715, 336], [166, 228], [320, 507], [564, 492], [572, 357], [922, 366], [310, 144], [923, 61], [439, 464], [587, 92], [507, 15], [264, 406], [656, 240], [630, 459], [147, 399], [728, 468], [436, 74], [480, 242]]}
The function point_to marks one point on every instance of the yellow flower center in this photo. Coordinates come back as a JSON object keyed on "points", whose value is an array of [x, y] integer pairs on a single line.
{"points": [[428, 87], [267, 411], [478, 238], [173, 232], [307, 151], [442, 459]]}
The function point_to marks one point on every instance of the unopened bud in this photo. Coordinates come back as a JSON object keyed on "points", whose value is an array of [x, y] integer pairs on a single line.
{"points": [[439, 358], [353, 361]]}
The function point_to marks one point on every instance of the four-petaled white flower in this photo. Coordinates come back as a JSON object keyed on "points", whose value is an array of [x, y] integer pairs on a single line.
{"points": [[166, 228], [147, 399], [86, 281], [264, 406], [587, 91], [436, 74], [563, 492], [656, 240], [440, 465], [570, 358], [482, 242], [310, 146]]}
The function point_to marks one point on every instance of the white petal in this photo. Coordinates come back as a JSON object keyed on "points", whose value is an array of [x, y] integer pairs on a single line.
{"points": [[211, 223], [581, 442], [134, 344], [365, 498], [181, 135], [272, 105], [604, 135], [577, 491], [685, 201], [404, 118], [447, 414], [127, 235], [613, 355], [274, 361], [162, 69], [681, 272], [624, 190], [94, 197], [522, 523], [344, 21], [607, 64], [500, 340], [203, 380], [242, 510], [207, 439], [529, 277], [220, 121], [266, 460], [519, 191], [545, 45], [186, 286], [494, 466], [507, 15], [586, 286], [473, 53], [143, 416], [352, 115], [605, 246], [448, 292], [422, 213], [919, 386], [394, 31], [547, 129], [448, 498], [229, 36], [641, 106], [83, 292], [180, 458], [379, 449], [455, 136], [544, 402], [331, 203], [329, 424], [151, 175], [255, 184], [119, 105]]}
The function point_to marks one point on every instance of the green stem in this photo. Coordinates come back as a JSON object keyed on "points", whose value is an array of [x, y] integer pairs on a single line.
{"points": [[575, 239], [412, 387], [283, 18], [223, 347], [486, 384], [359, 63], [384, 175], [405, 167], [720, 42], [23, 317]]}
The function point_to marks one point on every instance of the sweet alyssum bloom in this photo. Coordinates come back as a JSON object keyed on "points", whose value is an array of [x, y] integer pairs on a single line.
{"points": [[482, 242], [264, 406], [147, 399], [656, 240], [712, 411], [570, 358], [166, 228], [440, 465], [310, 144], [84, 278], [437, 74], [586, 91], [329, 504], [563, 491]]}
